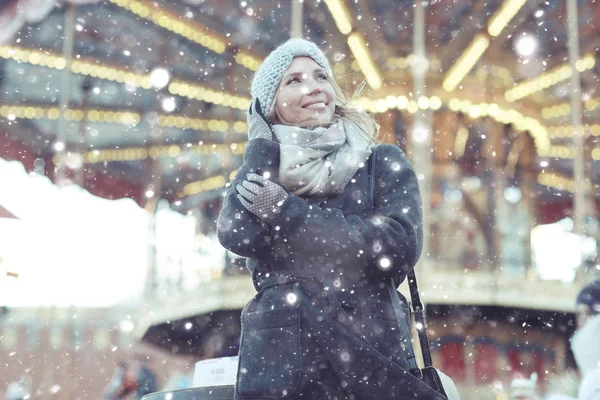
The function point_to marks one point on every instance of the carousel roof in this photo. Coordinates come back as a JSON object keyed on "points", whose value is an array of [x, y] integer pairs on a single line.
{"points": [[500, 59]]}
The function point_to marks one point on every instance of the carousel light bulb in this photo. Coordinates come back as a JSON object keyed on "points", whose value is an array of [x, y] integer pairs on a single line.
{"points": [[526, 45], [169, 104], [159, 77], [420, 133]]}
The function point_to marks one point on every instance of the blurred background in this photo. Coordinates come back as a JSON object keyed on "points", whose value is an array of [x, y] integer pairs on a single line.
{"points": [[121, 122]]}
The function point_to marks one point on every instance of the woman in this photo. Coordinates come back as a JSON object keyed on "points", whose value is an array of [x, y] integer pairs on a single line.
{"points": [[320, 251]]}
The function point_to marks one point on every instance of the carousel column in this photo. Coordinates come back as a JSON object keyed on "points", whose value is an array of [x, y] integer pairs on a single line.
{"points": [[60, 146], [578, 131], [420, 144], [152, 195], [528, 179], [494, 154], [420, 138], [297, 18], [82, 147], [159, 78], [443, 229]]}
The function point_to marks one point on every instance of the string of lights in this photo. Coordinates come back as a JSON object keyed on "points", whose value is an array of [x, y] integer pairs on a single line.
{"points": [[206, 185], [156, 152], [479, 44], [355, 41], [13, 112], [555, 75], [559, 182], [473, 110], [190, 30], [564, 109], [566, 131], [122, 75]]}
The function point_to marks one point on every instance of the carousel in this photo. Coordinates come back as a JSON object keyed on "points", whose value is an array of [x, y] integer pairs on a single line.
{"points": [[496, 103]]}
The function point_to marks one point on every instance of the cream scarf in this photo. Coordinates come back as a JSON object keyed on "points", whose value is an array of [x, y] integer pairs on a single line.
{"points": [[322, 160]]}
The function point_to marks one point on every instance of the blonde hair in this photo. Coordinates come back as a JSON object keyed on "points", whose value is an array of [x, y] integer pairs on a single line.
{"points": [[364, 121]]}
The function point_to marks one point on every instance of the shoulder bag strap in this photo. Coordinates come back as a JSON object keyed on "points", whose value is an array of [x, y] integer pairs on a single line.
{"points": [[419, 318], [372, 175], [405, 342]]}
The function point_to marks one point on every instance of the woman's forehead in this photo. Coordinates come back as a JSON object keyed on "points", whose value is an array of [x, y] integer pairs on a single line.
{"points": [[302, 65]]}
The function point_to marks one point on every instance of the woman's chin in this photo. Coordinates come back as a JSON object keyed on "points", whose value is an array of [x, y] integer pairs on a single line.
{"points": [[317, 121]]}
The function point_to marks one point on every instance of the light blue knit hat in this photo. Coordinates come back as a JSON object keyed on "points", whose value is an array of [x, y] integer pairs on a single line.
{"points": [[269, 74]]}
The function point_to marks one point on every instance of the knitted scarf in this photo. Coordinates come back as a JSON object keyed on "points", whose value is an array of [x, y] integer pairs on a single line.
{"points": [[320, 161]]}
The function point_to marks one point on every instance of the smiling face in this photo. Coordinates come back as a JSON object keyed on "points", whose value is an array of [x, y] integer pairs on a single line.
{"points": [[305, 96]]}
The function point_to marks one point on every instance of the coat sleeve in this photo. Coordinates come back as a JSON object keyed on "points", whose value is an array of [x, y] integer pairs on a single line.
{"points": [[239, 230], [388, 240]]}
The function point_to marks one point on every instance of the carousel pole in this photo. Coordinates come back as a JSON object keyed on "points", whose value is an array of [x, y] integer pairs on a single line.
{"points": [[160, 77], [420, 137], [578, 132], [65, 92], [420, 144], [85, 91], [297, 18], [60, 144], [152, 195]]}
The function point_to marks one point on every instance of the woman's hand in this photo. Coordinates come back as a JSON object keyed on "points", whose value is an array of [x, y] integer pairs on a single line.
{"points": [[261, 197], [258, 125]]}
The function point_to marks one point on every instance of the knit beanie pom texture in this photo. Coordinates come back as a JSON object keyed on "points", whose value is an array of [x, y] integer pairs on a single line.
{"points": [[269, 74]]}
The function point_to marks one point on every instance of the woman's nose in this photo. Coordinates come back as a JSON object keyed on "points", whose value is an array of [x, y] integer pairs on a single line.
{"points": [[312, 87]]}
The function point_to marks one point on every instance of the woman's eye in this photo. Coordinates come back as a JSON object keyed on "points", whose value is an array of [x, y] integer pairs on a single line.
{"points": [[292, 80], [322, 76]]}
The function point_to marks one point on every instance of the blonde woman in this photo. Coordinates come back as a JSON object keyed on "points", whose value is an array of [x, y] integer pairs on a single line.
{"points": [[322, 324]]}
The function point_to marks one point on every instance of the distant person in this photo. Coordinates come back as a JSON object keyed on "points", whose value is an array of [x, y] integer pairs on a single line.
{"points": [[130, 381], [585, 343]]}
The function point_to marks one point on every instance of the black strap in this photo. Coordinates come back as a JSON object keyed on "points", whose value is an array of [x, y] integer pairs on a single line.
{"points": [[414, 294], [405, 342], [419, 313]]}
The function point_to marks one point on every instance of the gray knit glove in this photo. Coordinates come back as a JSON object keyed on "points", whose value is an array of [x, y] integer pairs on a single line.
{"points": [[261, 197], [258, 125]]}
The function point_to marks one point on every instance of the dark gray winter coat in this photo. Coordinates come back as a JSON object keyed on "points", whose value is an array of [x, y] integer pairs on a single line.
{"points": [[320, 271]]}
